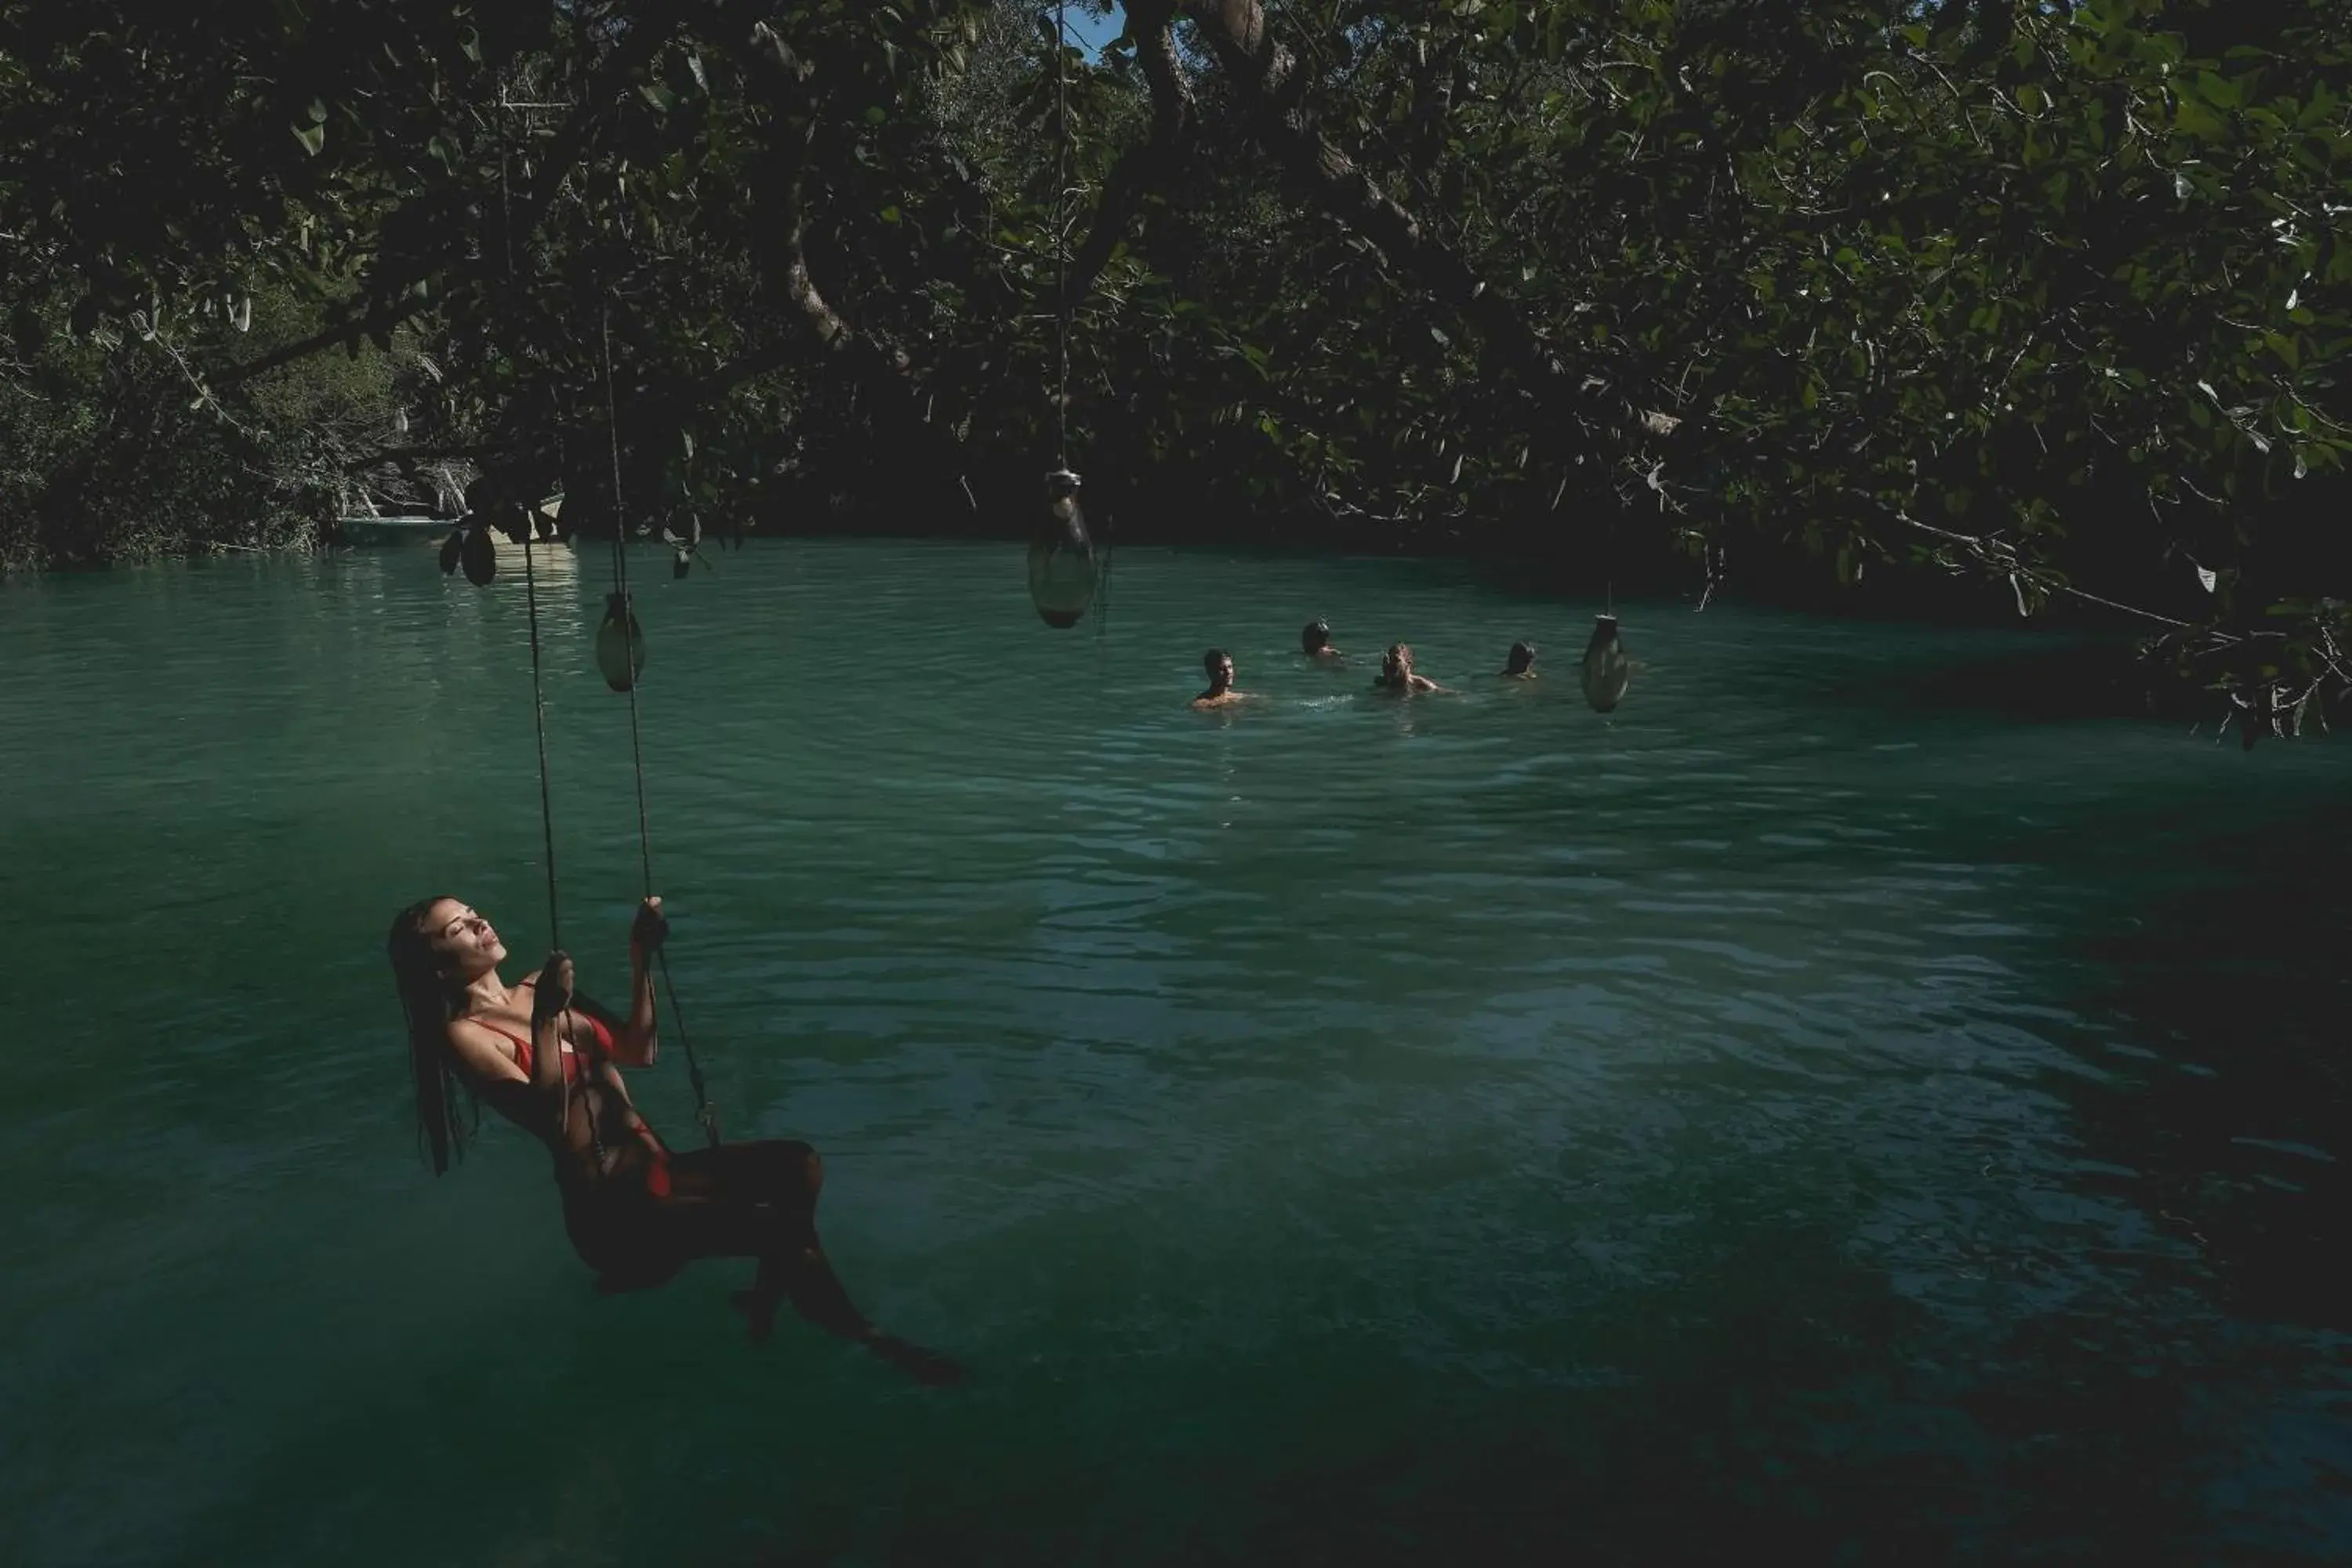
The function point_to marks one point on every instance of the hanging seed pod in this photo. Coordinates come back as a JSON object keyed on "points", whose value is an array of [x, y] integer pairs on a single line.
{"points": [[620, 644], [479, 556], [451, 549], [681, 562], [1061, 570], [1607, 671]]}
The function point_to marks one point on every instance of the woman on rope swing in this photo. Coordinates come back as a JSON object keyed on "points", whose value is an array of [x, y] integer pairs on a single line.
{"points": [[550, 1061]]}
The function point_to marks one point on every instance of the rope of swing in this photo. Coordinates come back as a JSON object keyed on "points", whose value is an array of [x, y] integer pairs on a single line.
{"points": [[530, 589], [1061, 238], [538, 727], [1062, 302], [703, 1112], [546, 808], [537, 682]]}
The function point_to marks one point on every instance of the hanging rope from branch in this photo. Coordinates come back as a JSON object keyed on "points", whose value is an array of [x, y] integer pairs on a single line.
{"points": [[530, 577], [633, 642], [538, 679], [621, 591], [1063, 574], [539, 728], [1061, 239]]}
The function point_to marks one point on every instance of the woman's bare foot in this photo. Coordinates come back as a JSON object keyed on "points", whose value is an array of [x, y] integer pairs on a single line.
{"points": [[926, 1367]]}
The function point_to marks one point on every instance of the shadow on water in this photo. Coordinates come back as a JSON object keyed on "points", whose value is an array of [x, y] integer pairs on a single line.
{"points": [[2233, 1124], [1780, 1400], [2209, 1114], [2135, 1395], [2058, 677], [1746, 1387]]}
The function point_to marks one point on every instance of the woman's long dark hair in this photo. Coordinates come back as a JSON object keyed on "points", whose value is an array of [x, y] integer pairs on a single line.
{"points": [[425, 1003]]}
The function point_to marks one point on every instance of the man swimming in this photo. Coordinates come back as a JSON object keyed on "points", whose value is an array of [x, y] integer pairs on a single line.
{"points": [[1315, 640], [1396, 673], [1219, 664], [1521, 665]]}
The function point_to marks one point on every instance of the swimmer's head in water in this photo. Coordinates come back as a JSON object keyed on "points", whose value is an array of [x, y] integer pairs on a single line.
{"points": [[1218, 665], [1397, 662], [1523, 659], [1315, 636], [437, 946]]}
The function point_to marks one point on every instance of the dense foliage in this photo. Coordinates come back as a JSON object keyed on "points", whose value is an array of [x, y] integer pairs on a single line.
{"points": [[2054, 297]]}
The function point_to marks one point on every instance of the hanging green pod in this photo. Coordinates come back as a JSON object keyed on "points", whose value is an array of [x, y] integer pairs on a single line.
{"points": [[1061, 570], [681, 564], [452, 548], [479, 556], [1606, 671], [620, 644]]}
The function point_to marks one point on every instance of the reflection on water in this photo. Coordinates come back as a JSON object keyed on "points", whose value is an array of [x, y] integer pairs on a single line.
{"points": [[1790, 1112]]}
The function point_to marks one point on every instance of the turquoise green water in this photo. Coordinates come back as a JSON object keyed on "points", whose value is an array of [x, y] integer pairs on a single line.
{"points": [[1811, 1112]]}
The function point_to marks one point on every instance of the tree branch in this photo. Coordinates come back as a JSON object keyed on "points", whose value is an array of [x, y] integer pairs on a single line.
{"points": [[1270, 83], [638, 46], [885, 371], [407, 455], [1152, 164]]}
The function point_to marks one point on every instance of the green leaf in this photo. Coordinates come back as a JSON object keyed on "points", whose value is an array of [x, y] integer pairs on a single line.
{"points": [[2192, 117], [2218, 91]]}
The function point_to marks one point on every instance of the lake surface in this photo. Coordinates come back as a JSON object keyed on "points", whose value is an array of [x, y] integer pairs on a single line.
{"points": [[1808, 1112]]}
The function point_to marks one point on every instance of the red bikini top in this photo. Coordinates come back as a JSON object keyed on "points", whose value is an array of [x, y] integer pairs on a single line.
{"points": [[525, 1056]]}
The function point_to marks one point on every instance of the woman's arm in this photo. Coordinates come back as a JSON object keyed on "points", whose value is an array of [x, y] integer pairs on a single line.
{"points": [[638, 1039]]}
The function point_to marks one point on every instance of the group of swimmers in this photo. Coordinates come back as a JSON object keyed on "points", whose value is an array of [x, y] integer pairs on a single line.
{"points": [[1397, 674]]}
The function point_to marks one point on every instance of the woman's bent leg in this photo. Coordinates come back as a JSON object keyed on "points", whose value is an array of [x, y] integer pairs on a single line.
{"points": [[787, 1176], [762, 1196]]}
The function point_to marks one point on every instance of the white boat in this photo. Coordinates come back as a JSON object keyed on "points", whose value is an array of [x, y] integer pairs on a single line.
{"points": [[393, 530], [411, 529]]}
